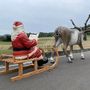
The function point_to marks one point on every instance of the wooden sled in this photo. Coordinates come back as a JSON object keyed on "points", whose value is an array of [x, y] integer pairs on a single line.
{"points": [[20, 64]]}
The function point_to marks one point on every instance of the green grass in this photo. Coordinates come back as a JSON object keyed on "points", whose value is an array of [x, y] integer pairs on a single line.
{"points": [[6, 51], [41, 39], [5, 43], [40, 43], [46, 39], [88, 36], [48, 46]]}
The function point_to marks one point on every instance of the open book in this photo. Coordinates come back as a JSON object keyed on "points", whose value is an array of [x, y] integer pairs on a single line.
{"points": [[32, 36]]}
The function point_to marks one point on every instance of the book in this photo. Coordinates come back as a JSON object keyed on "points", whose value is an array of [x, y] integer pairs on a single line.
{"points": [[32, 36]]}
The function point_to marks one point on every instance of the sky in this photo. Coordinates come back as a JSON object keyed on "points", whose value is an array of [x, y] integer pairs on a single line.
{"points": [[42, 15]]}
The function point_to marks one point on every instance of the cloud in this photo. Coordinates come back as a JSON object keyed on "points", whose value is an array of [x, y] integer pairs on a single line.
{"points": [[5, 32], [43, 15], [58, 2]]}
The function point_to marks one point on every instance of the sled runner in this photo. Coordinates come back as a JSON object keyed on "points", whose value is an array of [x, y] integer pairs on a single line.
{"points": [[11, 59]]}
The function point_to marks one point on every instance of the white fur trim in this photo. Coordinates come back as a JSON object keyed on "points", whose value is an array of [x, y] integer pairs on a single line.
{"points": [[23, 57], [40, 57], [16, 31], [14, 27]]}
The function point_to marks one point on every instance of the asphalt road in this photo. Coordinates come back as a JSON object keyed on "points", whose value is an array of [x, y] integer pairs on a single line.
{"points": [[65, 76]]}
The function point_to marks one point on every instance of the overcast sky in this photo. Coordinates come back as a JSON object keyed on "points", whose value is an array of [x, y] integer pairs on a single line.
{"points": [[42, 15]]}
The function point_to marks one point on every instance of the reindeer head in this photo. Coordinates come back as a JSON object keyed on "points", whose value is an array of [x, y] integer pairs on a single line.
{"points": [[83, 32], [83, 35]]}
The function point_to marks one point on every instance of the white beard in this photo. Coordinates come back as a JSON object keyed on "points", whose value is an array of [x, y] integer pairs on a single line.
{"points": [[19, 29]]}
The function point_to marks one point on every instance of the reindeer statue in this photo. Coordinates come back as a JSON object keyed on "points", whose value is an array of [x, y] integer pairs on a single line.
{"points": [[69, 37]]}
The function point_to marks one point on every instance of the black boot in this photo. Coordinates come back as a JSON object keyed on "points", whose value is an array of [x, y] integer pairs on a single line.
{"points": [[42, 61]]}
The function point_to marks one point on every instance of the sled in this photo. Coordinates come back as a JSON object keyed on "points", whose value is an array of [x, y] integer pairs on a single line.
{"points": [[11, 59]]}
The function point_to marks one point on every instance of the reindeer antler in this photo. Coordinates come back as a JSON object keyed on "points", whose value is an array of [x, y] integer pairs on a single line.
{"points": [[88, 30], [87, 21], [75, 25]]}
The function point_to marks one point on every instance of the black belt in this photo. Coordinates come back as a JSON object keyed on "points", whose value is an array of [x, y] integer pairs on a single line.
{"points": [[20, 49]]}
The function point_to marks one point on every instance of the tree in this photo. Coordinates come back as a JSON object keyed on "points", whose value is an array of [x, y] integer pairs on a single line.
{"points": [[8, 38]]}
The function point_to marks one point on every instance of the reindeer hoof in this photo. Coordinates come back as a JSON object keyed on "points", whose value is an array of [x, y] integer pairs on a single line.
{"points": [[72, 58], [52, 62], [83, 58], [70, 62]]}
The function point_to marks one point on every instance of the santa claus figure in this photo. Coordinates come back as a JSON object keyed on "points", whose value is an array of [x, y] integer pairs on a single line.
{"points": [[22, 45]]}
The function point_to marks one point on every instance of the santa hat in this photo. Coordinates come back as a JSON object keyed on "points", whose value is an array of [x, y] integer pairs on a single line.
{"points": [[18, 28], [17, 24]]}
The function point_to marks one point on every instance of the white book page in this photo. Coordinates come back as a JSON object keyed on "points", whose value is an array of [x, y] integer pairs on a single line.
{"points": [[33, 36]]}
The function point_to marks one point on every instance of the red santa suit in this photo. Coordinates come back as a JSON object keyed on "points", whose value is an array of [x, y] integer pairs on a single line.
{"points": [[21, 44]]}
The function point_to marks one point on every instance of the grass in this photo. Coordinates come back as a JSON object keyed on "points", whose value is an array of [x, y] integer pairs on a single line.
{"points": [[88, 36], [5, 43], [48, 46], [46, 39], [44, 42], [5, 51]]}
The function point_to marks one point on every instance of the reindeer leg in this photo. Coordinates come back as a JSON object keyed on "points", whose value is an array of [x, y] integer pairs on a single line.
{"points": [[57, 43], [65, 51], [52, 57], [82, 54], [71, 52], [52, 54]]}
